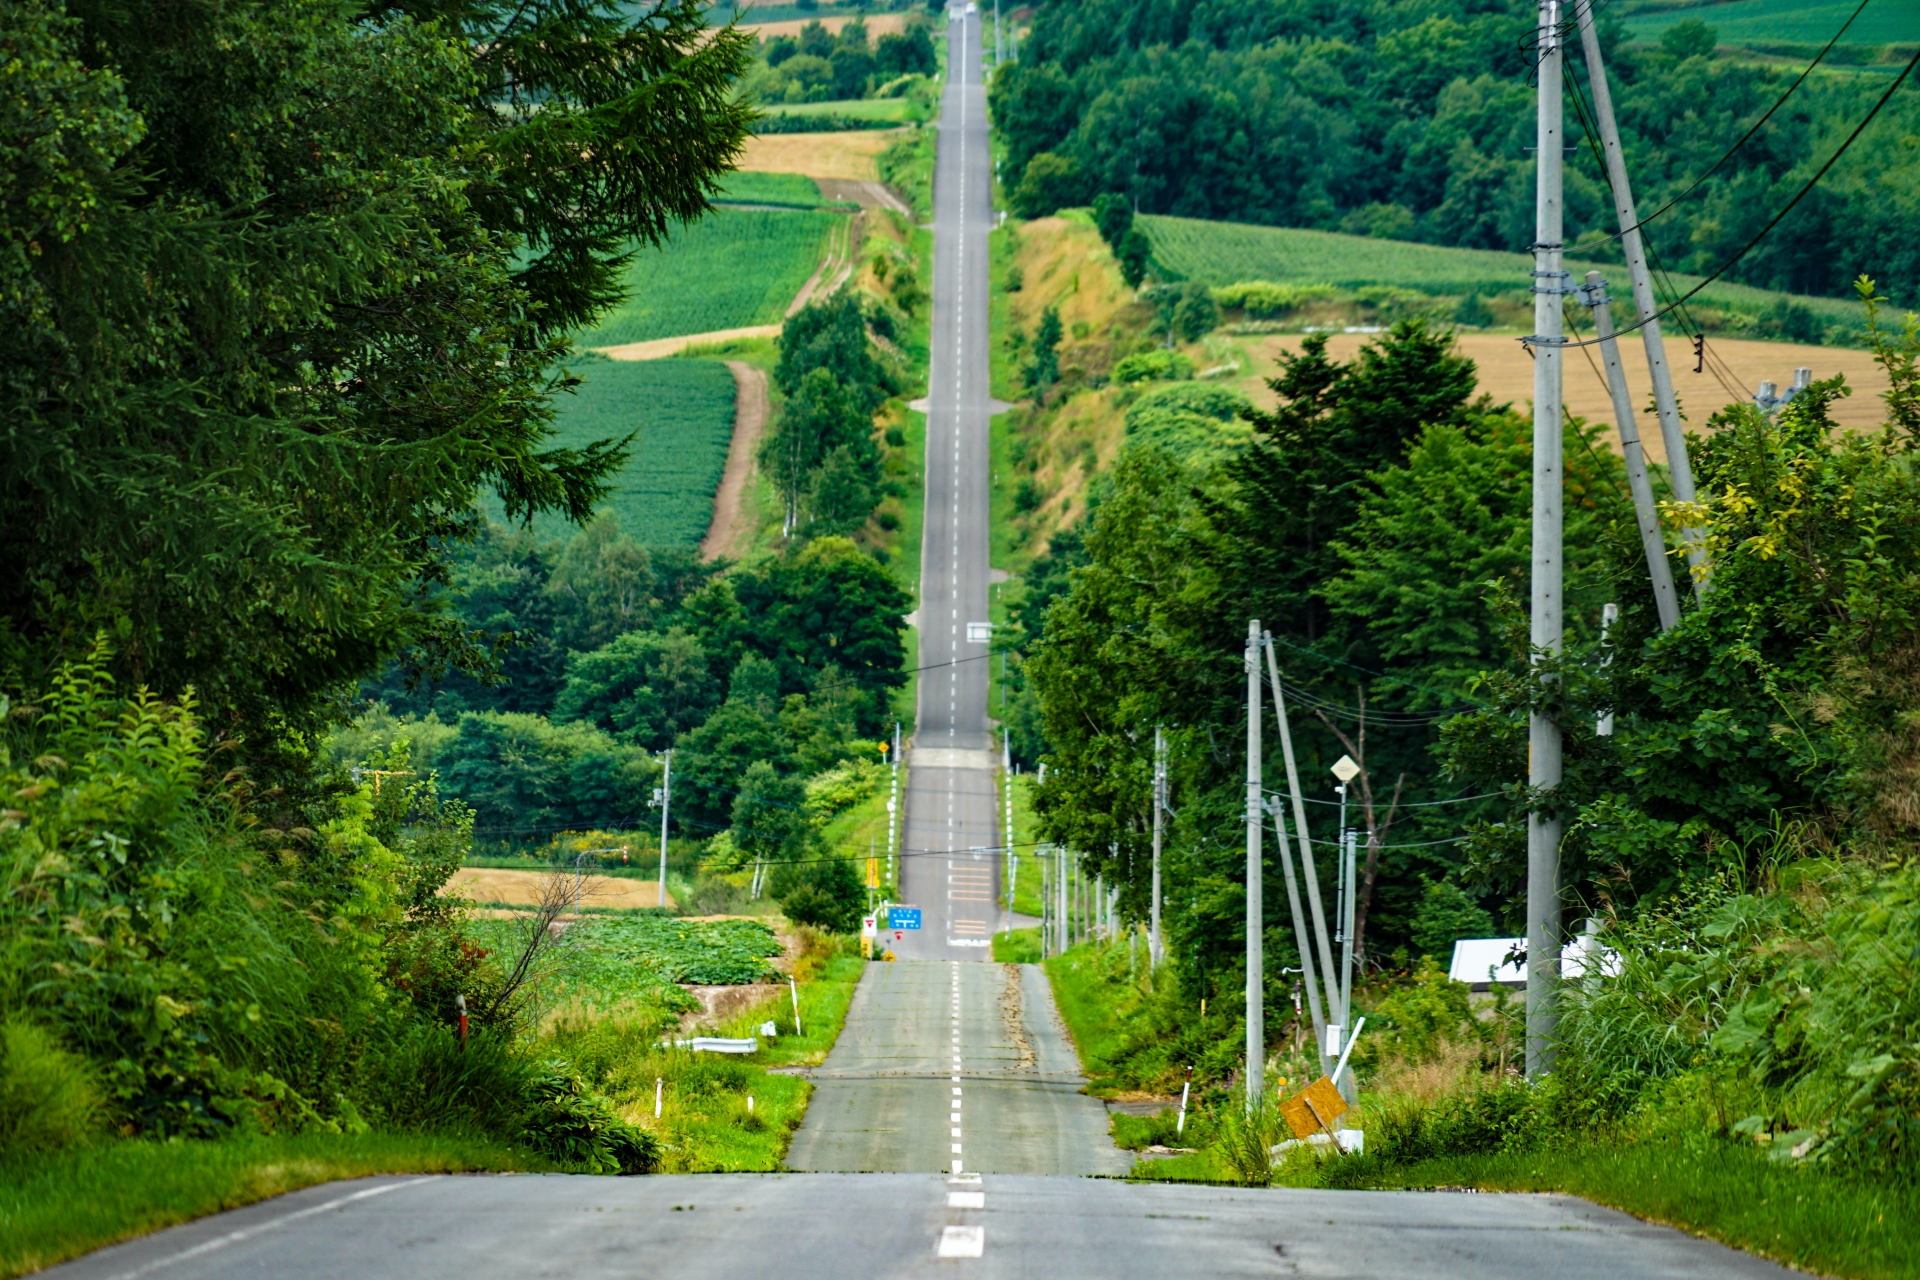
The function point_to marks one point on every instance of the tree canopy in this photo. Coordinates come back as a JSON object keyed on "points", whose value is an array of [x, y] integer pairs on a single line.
{"points": [[287, 290]]}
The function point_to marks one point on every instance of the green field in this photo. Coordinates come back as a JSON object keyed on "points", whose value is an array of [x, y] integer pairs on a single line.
{"points": [[852, 108], [683, 410], [1790, 21], [793, 190], [1222, 253], [733, 268]]}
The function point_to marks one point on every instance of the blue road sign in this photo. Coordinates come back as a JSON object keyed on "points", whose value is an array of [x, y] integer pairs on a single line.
{"points": [[903, 917]]}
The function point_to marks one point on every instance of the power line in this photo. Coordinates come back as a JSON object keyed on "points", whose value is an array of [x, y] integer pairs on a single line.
{"points": [[1744, 138], [1800, 195]]}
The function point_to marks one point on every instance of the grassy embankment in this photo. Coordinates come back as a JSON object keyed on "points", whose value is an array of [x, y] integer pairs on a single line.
{"points": [[69, 1202], [1724, 1189]]}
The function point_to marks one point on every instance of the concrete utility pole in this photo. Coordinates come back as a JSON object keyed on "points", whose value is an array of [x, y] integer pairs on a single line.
{"points": [[1006, 772], [1543, 735], [1302, 945], [893, 804], [1646, 515], [666, 803], [1256, 979], [1063, 877], [1159, 809], [1679, 469], [1306, 845]]}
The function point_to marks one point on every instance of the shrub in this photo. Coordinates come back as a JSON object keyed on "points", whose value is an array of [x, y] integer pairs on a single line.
{"points": [[48, 1096], [428, 1082], [567, 1123], [1264, 300], [1164, 366]]}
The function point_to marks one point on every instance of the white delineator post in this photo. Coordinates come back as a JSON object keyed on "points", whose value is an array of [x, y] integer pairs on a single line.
{"points": [[666, 802], [1256, 978], [1679, 469], [1645, 513], [1543, 735]]}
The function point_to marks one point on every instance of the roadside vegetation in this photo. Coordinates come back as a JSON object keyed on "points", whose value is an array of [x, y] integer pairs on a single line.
{"points": [[328, 578]]}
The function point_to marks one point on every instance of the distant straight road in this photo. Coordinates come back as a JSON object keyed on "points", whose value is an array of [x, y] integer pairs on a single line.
{"points": [[950, 810], [948, 1063]]}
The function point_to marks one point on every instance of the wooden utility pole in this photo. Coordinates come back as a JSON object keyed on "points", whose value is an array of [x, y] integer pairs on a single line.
{"points": [[1256, 917], [1645, 514], [1543, 734], [1679, 469]]}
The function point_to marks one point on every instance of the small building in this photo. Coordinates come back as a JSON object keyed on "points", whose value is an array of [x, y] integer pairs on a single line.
{"points": [[1486, 963]]}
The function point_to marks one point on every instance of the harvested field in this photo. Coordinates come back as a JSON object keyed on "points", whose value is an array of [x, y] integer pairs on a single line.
{"points": [[878, 24], [848, 155], [522, 888], [1506, 373]]}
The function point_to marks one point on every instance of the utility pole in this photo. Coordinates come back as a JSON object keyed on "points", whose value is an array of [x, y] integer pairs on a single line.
{"points": [[1300, 834], [1301, 944], [893, 803], [666, 803], [1543, 735], [1159, 810], [999, 48], [1006, 828], [1645, 514], [1679, 469], [1256, 985], [1063, 878]]}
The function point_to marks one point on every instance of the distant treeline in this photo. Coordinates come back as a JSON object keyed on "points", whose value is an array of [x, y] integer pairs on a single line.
{"points": [[1416, 123]]}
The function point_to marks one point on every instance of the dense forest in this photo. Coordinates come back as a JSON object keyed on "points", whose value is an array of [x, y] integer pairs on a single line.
{"points": [[1416, 121]]}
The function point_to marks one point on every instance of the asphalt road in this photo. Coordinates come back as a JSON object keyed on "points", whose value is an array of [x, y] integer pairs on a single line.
{"points": [[950, 816], [952, 1066], [942, 1066], [854, 1226]]}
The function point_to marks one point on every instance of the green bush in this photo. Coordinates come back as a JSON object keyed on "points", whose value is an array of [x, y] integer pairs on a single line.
{"points": [[48, 1097], [1264, 300], [431, 1083], [568, 1123], [1164, 366]]}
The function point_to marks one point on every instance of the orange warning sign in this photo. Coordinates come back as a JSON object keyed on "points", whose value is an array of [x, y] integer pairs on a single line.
{"points": [[1315, 1110]]}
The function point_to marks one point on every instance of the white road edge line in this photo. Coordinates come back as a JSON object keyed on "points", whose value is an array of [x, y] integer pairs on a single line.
{"points": [[247, 1233]]}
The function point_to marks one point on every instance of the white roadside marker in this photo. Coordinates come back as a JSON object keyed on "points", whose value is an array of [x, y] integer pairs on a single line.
{"points": [[962, 1242]]}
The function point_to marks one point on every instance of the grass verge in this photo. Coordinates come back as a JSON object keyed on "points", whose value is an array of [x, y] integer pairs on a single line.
{"points": [[707, 1123], [1726, 1191], [70, 1202]]}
